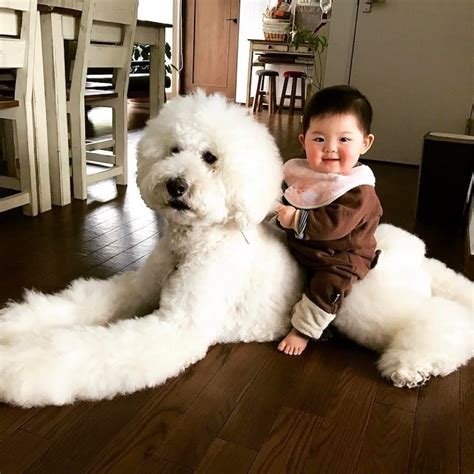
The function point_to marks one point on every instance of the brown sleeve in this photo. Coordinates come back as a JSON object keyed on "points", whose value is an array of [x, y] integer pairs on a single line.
{"points": [[338, 219]]}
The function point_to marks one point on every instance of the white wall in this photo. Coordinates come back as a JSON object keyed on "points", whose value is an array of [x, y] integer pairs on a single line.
{"points": [[338, 59], [162, 12], [153, 10], [250, 27]]}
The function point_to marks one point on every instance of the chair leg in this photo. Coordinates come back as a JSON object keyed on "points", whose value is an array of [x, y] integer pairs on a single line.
{"points": [[54, 73], [26, 155], [78, 149], [293, 96], [255, 99], [283, 95], [271, 95], [119, 130]]}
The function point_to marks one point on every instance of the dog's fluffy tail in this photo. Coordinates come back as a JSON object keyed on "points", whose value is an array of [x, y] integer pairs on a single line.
{"points": [[450, 285]]}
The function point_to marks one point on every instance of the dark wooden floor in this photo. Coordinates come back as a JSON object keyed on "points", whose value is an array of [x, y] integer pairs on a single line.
{"points": [[245, 407]]}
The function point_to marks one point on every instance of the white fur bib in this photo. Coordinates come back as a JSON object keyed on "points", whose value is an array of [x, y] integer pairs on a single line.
{"points": [[308, 189]]}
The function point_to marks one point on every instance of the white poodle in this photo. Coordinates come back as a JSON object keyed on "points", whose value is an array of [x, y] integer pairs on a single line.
{"points": [[220, 274]]}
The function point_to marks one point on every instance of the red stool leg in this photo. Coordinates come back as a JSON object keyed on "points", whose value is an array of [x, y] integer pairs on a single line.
{"points": [[283, 95], [303, 93], [293, 95]]}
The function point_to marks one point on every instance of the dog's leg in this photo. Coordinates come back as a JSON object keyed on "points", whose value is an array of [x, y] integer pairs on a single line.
{"points": [[93, 362], [436, 340], [449, 284], [88, 302], [67, 364]]}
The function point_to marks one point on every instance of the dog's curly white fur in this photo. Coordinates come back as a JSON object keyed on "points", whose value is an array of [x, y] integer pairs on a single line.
{"points": [[220, 274]]}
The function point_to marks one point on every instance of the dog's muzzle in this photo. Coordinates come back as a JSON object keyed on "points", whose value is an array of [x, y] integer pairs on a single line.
{"points": [[177, 187]]}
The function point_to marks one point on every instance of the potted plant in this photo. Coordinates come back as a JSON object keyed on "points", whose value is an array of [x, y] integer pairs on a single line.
{"points": [[319, 43], [140, 70]]}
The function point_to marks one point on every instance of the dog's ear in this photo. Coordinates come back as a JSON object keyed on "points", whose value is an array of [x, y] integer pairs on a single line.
{"points": [[242, 216], [254, 178], [256, 197]]}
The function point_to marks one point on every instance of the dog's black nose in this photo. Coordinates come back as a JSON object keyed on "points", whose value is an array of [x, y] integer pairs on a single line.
{"points": [[176, 187]]}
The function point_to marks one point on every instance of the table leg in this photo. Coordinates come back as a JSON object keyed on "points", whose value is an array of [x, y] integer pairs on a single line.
{"points": [[249, 75], [157, 73], [54, 76]]}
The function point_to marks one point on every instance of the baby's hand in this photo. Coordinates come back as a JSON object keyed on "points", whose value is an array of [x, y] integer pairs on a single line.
{"points": [[286, 215]]}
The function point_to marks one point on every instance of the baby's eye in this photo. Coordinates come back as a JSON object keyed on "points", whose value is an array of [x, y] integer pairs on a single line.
{"points": [[345, 139], [319, 139], [175, 150]]}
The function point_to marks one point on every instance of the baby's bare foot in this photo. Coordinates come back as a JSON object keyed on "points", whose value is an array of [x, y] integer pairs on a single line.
{"points": [[294, 343]]}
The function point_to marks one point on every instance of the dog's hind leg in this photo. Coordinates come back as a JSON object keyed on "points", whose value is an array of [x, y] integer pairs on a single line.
{"points": [[437, 340], [87, 301], [449, 284]]}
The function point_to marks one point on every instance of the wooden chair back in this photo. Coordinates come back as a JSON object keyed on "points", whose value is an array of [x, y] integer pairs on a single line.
{"points": [[18, 52], [122, 14]]}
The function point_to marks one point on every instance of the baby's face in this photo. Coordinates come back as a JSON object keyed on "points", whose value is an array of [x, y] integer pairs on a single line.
{"points": [[333, 143]]}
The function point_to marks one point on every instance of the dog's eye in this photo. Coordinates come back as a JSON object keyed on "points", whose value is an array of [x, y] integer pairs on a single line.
{"points": [[209, 158], [175, 149]]}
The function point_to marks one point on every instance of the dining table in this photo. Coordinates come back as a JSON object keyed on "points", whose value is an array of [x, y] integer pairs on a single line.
{"points": [[58, 21]]}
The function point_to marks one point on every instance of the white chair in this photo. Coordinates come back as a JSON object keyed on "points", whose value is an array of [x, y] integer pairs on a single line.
{"points": [[117, 57], [17, 53]]}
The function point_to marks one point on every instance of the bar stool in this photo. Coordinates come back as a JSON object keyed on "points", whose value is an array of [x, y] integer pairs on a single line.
{"points": [[261, 93], [294, 75]]}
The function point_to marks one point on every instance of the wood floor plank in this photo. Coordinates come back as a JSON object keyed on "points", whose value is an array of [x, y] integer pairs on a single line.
{"points": [[155, 465], [405, 398], [386, 446], [336, 445], [19, 450], [85, 438], [320, 377], [139, 439], [263, 400], [230, 458], [119, 234], [435, 442], [288, 446], [54, 422], [12, 418], [189, 440], [466, 418]]}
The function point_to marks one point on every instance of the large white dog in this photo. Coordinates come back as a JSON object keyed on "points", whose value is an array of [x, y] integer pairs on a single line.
{"points": [[220, 274]]}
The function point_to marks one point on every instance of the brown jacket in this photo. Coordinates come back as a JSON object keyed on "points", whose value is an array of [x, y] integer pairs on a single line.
{"points": [[341, 233]]}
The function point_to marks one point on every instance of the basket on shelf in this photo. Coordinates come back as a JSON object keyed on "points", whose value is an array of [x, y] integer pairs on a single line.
{"points": [[275, 29]]}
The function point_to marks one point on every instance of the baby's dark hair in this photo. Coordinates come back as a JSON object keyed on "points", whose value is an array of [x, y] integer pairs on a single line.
{"points": [[339, 100]]}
